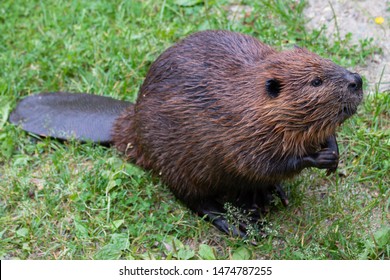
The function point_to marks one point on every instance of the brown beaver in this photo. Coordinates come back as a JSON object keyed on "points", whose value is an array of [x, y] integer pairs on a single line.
{"points": [[221, 117]]}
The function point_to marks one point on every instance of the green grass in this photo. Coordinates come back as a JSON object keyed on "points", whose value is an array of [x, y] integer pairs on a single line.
{"points": [[82, 201]]}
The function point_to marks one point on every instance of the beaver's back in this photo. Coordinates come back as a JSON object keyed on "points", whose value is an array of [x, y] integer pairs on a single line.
{"points": [[189, 109]]}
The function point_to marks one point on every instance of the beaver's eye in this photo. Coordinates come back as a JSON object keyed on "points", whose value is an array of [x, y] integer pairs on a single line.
{"points": [[316, 82], [273, 87]]}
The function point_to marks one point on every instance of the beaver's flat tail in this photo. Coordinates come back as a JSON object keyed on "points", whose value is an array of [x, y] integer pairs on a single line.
{"points": [[65, 116]]}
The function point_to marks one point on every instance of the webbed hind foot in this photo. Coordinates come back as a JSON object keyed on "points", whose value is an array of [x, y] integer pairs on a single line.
{"points": [[214, 212]]}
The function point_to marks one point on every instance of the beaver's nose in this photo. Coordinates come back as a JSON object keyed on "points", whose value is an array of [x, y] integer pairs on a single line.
{"points": [[355, 82]]}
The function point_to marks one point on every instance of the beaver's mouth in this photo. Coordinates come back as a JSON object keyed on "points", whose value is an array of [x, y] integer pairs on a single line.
{"points": [[347, 111]]}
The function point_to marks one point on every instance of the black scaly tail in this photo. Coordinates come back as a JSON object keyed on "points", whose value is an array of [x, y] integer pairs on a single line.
{"points": [[65, 116]]}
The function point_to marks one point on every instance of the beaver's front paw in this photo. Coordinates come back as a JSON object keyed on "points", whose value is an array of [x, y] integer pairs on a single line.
{"points": [[325, 159]]}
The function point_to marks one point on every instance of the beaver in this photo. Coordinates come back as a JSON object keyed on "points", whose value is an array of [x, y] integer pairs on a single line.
{"points": [[221, 117]]}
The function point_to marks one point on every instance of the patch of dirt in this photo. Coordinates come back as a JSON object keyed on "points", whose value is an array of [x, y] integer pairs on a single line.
{"points": [[358, 18]]}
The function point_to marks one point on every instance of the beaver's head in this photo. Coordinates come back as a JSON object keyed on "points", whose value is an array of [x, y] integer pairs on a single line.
{"points": [[307, 97]]}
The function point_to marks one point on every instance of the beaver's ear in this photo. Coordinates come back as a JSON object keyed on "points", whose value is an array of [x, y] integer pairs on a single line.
{"points": [[272, 87]]}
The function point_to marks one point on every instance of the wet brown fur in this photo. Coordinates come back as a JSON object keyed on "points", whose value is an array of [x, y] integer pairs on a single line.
{"points": [[205, 123]]}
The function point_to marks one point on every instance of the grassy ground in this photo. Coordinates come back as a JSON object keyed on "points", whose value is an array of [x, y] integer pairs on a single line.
{"points": [[73, 201]]}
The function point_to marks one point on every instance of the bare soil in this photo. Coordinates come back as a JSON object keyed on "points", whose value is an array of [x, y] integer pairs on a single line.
{"points": [[358, 18]]}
